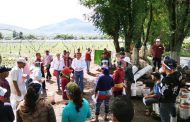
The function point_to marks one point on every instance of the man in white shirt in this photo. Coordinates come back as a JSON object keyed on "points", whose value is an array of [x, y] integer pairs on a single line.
{"points": [[19, 87], [78, 65], [58, 64]]}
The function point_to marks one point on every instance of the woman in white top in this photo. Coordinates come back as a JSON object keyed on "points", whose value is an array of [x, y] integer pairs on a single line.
{"points": [[58, 64]]}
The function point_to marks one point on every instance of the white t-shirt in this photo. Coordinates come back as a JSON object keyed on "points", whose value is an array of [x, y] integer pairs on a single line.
{"points": [[16, 75], [36, 74], [78, 65]]}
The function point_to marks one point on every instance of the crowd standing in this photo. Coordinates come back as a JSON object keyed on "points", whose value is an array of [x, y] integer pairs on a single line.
{"points": [[28, 83]]}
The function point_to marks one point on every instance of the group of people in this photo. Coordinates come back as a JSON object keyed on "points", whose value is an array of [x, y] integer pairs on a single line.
{"points": [[28, 83]]}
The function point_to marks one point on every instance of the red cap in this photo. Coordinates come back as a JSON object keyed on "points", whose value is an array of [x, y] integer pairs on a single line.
{"points": [[67, 70]]}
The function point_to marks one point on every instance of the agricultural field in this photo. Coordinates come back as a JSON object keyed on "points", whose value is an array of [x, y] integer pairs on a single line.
{"points": [[10, 50]]}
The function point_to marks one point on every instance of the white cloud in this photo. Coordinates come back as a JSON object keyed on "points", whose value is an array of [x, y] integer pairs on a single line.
{"points": [[34, 13]]}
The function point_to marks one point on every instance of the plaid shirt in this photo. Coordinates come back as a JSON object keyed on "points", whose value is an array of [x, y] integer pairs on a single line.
{"points": [[4, 83]]}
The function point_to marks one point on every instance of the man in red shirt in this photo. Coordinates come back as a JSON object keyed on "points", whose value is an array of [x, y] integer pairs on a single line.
{"points": [[157, 50], [88, 59]]}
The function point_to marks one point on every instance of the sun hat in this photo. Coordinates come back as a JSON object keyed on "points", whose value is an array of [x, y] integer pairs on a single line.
{"points": [[2, 91], [127, 59], [4, 69], [70, 88], [66, 70], [21, 60]]}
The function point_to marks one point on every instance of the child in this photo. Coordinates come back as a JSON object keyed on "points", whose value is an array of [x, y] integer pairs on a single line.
{"points": [[153, 96], [65, 79], [118, 78], [102, 92], [6, 111]]}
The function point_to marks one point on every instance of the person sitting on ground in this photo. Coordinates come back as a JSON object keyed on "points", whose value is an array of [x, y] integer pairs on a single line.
{"points": [[103, 93], [153, 96], [77, 109], [118, 78], [35, 108], [65, 79], [6, 111], [122, 109]]}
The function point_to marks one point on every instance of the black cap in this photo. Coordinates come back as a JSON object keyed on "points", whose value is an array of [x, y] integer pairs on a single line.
{"points": [[4, 69], [170, 63]]}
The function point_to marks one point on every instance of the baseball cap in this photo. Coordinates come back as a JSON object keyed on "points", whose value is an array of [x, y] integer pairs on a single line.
{"points": [[4, 69], [170, 63], [67, 70], [127, 59]]}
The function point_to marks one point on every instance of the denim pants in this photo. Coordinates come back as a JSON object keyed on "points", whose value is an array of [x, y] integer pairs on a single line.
{"points": [[150, 101], [88, 66], [167, 109], [58, 79], [79, 79], [98, 104]]}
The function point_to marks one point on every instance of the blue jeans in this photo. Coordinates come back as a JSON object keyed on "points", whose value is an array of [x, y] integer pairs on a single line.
{"points": [[150, 101], [88, 66], [79, 79], [58, 79], [167, 109], [98, 104]]}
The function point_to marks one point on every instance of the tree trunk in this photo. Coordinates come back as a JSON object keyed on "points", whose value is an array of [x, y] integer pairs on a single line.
{"points": [[0, 59], [135, 56], [116, 43]]}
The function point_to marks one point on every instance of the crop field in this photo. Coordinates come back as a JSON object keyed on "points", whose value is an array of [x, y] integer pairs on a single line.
{"points": [[10, 51]]}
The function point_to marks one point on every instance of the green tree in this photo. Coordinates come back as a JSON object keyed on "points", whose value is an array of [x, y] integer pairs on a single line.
{"points": [[179, 24], [21, 35], [14, 34]]}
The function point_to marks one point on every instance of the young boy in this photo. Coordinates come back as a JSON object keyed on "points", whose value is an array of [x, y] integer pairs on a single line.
{"points": [[102, 92], [153, 96], [6, 111]]}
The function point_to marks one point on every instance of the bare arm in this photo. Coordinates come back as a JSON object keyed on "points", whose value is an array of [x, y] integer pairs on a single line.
{"points": [[16, 87]]}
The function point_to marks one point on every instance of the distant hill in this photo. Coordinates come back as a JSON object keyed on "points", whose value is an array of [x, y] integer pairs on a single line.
{"points": [[70, 26]]}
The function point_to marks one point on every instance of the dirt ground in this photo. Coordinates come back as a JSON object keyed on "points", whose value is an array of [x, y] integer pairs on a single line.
{"points": [[89, 81]]}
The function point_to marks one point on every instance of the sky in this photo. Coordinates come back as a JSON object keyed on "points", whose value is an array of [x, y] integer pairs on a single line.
{"points": [[32, 14]]}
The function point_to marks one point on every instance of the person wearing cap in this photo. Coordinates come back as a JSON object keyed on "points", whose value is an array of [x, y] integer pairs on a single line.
{"points": [[65, 79], [35, 108], [157, 50], [88, 59], [19, 87], [47, 59], [4, 72], [118, 78], [105, 60], [153, 96], [77, 109], [128, 75], [78, 64], [169, 89], [103, 93], [6, 111], [58, 65], [122, 109]]}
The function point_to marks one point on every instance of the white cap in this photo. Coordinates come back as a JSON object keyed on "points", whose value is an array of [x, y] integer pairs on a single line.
{"points": [[157, 40], [2, 91], [21, 60], [127, 59]]}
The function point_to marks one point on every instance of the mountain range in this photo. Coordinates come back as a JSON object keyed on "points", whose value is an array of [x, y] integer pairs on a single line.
{"points": [[70, 26]]}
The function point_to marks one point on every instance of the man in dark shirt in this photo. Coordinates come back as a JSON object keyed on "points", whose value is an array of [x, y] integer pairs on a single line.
{"points": [[169, 89]]}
